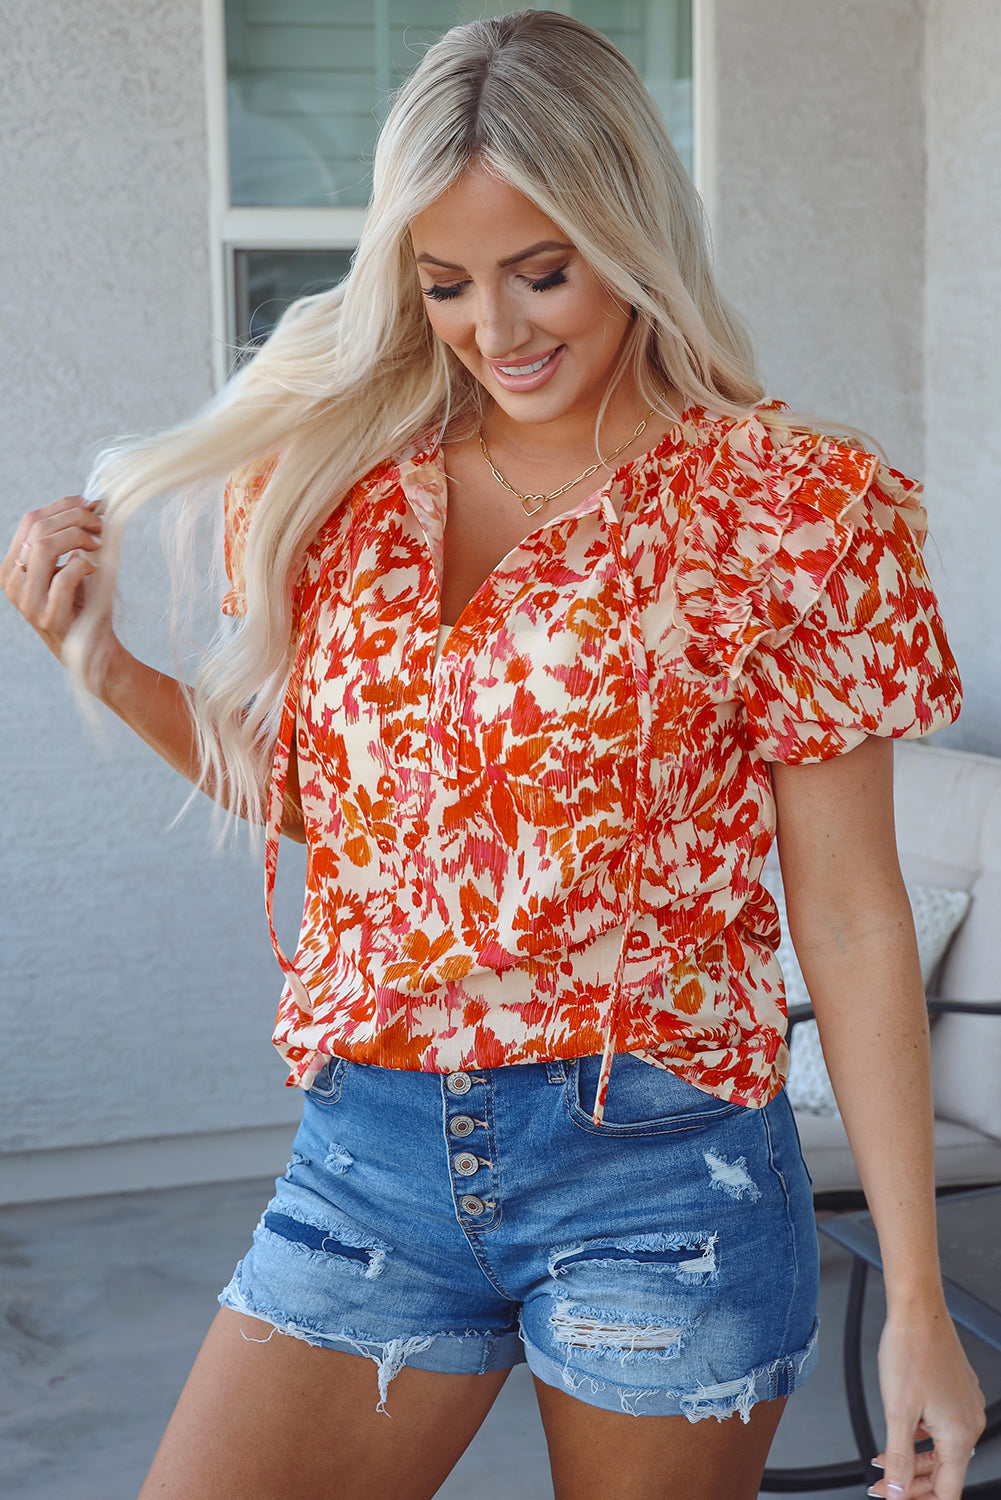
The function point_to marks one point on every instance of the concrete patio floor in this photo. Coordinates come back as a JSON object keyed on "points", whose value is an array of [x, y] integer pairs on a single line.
{"points": [[105, 1301]]}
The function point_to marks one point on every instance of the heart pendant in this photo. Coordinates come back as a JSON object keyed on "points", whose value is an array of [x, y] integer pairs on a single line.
{"points": [[529, 508]]}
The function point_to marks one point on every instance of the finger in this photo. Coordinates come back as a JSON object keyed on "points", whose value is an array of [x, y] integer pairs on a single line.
{"points": [[65, 598], [39, 560], [46, 517], [921, 1485], [898, 1456], [65, 537], [924, 1463], [952, 1466], [70, 511], [75, 514], [64, 504], [36, 570], [10, 568]]}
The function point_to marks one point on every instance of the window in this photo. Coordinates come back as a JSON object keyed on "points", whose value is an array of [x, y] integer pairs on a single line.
{"points": [[307, 85]]}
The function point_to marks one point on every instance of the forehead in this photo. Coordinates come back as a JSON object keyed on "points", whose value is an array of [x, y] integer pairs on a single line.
{"points": [[481, 215]]}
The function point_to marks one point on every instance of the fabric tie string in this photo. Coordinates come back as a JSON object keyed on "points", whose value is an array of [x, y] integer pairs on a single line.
{"points": [[641, 798]]}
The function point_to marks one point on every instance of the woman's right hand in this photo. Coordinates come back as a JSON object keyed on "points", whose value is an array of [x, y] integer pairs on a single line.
{"points": [[50, 594]]}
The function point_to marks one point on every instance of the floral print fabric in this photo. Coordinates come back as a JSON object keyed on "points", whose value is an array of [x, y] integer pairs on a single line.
{"points": [[548, 843]]}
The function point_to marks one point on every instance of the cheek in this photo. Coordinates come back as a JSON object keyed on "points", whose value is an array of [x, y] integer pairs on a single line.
{"points": [[448, 324], [616, 323], [599, 317]]}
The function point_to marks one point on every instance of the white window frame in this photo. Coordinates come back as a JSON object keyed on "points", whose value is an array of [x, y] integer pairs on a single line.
{"points": [[232, 229]]}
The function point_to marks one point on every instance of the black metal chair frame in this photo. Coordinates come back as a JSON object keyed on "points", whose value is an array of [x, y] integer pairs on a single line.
{"points": [[837, 1476]]}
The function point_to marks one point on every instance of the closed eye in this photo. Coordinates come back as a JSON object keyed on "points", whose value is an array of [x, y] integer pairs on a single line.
{"points": [[444, 293], [439, 293], [546, 283]]}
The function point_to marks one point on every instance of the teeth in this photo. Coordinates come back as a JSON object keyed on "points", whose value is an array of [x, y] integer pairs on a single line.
{"points": [[540, 364]]}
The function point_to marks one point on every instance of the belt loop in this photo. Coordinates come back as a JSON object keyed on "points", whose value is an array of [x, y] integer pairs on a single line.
{"points": [[556, 1070]]}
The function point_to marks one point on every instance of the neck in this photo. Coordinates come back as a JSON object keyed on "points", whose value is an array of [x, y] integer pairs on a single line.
{"points": [[567, 438]]}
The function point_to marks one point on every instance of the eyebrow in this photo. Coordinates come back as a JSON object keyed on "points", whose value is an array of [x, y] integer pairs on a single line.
{"points": [[511, 260]]}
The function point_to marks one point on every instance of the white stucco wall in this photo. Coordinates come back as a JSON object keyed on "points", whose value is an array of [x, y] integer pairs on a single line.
{"points": [[819, 203], [963, 351], [136, 981]]}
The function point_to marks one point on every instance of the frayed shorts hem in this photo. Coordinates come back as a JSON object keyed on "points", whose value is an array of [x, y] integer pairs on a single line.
{"points": [[441, 1353], [477, 1353], [730, 1398]]}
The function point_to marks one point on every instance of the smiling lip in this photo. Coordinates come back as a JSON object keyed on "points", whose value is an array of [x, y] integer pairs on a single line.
{"points": [[533, 378]]}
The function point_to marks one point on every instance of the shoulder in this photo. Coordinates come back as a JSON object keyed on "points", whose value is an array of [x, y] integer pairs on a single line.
{"points": [[780, 511], [789, 493]]}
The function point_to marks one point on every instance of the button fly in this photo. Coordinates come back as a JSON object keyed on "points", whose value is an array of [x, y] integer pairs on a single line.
{"points": [[461, 1125], [472, 1206], [466, 1164], [458, 1083]]}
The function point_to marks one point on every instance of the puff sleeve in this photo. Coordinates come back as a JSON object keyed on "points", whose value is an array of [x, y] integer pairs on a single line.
{"points": [[841, 636], [243, 490]]}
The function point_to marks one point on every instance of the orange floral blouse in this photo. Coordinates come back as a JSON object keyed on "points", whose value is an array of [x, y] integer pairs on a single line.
{"points": [[548, 843]]}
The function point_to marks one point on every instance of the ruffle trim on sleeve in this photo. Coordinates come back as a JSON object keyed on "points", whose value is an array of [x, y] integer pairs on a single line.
{"points": [[775, 514]]}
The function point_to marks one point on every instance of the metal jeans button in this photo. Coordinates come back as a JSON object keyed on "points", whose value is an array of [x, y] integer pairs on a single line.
{"points": [[461, 1125], [472, 1206], [466, 1164], [458, 1083]]}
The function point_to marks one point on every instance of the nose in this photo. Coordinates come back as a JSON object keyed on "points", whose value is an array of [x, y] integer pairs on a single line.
{"points": [[501, 325]]}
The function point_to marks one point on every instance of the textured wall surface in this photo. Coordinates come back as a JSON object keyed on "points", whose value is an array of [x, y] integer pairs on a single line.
{"points": [[819, 216], [136, 982], [963, 353]]}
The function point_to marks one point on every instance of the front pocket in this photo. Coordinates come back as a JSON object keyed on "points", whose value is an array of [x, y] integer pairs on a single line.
{"points": [[642, 1099], [326, 1086]]}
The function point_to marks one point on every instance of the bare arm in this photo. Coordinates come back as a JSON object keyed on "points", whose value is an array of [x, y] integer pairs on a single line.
{"points": [[850, 922], [49, 597]]}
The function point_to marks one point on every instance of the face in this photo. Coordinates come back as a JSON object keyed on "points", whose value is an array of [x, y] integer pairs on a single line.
{"points": [[515, 302]]}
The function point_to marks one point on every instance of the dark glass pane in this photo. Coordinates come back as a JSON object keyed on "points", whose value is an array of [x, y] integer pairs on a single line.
{"points": [[266, 282]]}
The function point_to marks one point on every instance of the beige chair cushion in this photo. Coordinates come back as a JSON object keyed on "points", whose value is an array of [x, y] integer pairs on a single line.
{"points": [[963, 1157], [949, 830]]}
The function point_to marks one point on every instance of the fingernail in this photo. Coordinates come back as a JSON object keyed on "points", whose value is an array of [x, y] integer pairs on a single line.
{"points": [[874, 1492], [894, 1489], [874, 1463]]}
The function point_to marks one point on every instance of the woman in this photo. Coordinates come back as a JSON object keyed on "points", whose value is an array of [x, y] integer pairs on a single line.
{"points": [[536, 752]]}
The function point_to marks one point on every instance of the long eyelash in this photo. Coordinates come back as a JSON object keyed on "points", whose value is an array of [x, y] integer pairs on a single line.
{"points": [[546, 283], [443, 293]]}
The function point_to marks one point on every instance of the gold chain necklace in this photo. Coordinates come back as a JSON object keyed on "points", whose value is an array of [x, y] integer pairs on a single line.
{"points": [[532, 504]]}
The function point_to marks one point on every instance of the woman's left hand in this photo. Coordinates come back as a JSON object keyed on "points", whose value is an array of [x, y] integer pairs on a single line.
{"points": [[929, 1391]]}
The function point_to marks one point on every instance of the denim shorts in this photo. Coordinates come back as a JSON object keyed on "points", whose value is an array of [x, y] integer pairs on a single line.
{"points": [[664, 1264]]}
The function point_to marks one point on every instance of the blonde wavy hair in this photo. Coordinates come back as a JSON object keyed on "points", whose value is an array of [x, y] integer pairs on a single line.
{"points": [[352, 375]]}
